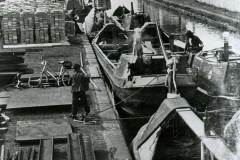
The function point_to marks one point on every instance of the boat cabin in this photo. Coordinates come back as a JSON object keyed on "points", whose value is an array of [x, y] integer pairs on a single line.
{"points": [[218, 76]]}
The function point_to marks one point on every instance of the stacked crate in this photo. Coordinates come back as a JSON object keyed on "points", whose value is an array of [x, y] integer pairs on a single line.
{"points": [[27, 27], [77, 4], [32, 21], [106, 4], [57, 26], [42, 20], [10, 27]]}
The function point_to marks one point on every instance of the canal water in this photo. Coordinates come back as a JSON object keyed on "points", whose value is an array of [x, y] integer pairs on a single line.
{"points": [[172, 22]]}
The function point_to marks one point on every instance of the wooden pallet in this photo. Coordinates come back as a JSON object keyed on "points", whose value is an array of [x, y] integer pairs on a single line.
{"points": [[80, 147]]}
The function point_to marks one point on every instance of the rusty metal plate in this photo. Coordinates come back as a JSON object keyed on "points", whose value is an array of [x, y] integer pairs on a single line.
{"points": [[42, 129]]}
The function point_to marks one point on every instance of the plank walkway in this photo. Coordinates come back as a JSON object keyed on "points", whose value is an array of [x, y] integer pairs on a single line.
{"points": [[109, 134], [39, 97]]}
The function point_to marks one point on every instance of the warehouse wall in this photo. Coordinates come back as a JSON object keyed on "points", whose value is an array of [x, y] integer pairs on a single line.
{"points": [[232, 5]]}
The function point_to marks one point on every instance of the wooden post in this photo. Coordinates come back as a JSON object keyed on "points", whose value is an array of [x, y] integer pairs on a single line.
{"points": [[2, 152], [202, 151]]}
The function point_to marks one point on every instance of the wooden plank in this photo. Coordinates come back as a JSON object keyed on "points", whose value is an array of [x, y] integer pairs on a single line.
{"points": [[75, 149], [69, 154], [4, 98], [37, 45], [42, 129], [13, 51], [46, 148], [88, 147], [26, 154], [94, 72], [8, 73], [39, 97], [12, 67], [2, 152]]}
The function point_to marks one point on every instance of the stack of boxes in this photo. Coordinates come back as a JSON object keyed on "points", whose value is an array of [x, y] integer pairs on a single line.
{"points": [[106, 4], [57, 26], [32, 21], [42, 21], [27, 27], [10, 27]]}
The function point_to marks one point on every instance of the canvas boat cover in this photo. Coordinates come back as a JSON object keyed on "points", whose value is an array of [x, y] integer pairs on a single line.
{"points": [[167, 107]]}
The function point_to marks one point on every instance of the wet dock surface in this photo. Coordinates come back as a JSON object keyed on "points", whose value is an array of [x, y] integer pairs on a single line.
{"points": [[33, 104]]}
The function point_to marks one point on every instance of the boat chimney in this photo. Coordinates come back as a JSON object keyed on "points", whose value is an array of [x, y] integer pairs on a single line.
{"points": [[225, 55], [132, 11]]}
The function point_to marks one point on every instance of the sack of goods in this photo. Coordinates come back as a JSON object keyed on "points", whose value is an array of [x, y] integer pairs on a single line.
{"points": [[10, 27], [57, 26]]}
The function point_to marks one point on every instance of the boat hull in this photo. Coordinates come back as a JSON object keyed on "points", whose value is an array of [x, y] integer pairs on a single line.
{"points": [[145, 101], [139, 100]]}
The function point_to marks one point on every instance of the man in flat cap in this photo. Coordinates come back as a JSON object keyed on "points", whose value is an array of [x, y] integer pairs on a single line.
{"points": [[80, 83]]}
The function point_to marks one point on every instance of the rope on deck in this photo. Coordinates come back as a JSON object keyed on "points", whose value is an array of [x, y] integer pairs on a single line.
{"points": [[112, 106]]}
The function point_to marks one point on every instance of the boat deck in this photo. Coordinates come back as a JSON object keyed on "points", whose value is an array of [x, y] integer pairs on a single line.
{"points": [[103, 128]]}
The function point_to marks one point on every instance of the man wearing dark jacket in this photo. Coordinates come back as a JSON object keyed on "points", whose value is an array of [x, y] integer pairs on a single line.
{"points": [[193, 46], [193, 43], [80, 83]]}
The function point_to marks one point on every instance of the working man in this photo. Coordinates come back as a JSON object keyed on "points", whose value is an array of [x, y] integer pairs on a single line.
{"points": [[137, 43], [75, 19], [193, 43], [193, 46], [80, 83]]}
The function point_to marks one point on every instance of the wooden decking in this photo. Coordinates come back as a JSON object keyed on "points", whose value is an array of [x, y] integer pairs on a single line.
{"points": [[39, 97], [105, 133]]}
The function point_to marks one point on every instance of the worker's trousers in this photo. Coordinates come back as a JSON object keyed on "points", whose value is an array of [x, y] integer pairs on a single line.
{"points": [[79, 101]]}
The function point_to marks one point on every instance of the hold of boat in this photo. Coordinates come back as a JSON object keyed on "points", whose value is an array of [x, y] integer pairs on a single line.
{"points": [[140, 81]]}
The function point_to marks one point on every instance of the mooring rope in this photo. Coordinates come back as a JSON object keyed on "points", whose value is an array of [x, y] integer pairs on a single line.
{"points": [[110, 107]]}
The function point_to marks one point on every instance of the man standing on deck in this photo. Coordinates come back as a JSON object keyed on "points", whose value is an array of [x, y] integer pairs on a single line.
{"points": [[80, 83], [137, 43], [193, 46]]}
